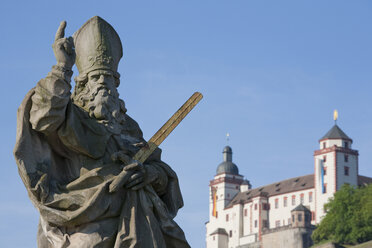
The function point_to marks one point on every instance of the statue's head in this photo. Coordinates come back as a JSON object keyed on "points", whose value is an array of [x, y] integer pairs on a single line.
{"points": [[98, 52]]}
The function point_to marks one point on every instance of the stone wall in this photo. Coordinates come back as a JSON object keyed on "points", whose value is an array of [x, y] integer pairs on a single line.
{"points": [[252, 245], [287, 237]]}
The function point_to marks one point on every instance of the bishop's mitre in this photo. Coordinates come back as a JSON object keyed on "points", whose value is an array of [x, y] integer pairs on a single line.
{"points": [[97, 47]]}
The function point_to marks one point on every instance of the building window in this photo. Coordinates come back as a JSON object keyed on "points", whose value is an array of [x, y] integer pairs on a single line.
{"points": [[325, 158], [312, 215], [264, 223], [324, 171], [216, 214], [228, 195], [227, 217], [346, 158], [293, 220], [276, 203], [299, 217], [324, 188], [285, 201], [255, 223], [293, 200], [214, 237], [324, 145], [265, 206], [245, 212], [230, 234], [346, 144], [255, 206], [302, 198], [310, 196], [346, 170], [277, 223], [289, 221]]}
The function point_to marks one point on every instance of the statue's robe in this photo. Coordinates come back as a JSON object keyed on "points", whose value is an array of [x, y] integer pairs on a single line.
{"points": [[64, 160]]}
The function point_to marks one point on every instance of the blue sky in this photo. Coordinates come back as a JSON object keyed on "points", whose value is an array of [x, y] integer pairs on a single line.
{"points": [[271, 72]]}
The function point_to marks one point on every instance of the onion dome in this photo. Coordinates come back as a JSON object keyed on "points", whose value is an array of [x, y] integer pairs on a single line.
{"points": [[227, 166]]}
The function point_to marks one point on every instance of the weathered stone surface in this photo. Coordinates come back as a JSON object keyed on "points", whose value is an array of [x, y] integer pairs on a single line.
{"points": [[288, 236], [70, 147]]}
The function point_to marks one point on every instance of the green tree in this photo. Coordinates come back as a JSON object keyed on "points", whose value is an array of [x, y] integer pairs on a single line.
{"points": [[349, 217]]}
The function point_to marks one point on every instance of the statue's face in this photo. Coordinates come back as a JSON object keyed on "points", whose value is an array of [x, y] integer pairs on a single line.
{"points": [[101, 78], [100, 97]]}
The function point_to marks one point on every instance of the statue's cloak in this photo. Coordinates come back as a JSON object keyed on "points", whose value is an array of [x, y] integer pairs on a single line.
{"points": [[67, 173]]}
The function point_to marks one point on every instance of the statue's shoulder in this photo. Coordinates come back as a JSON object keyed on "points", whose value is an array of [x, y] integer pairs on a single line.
{"points": [[131, 127], [27, 99]]}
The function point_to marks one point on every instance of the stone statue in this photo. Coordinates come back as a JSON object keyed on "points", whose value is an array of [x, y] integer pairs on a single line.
{"points": [[71, 147]]}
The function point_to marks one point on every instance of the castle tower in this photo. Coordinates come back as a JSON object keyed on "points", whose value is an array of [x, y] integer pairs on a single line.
{"points": [[336, 163], [225, 185], [226, 182]]}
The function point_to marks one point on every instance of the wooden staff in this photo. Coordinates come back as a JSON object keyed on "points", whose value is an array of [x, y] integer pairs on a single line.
{"points": [[157, 139]]}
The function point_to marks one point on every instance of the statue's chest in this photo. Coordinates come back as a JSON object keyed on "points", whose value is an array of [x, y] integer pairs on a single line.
{"points": [[116, 143]]}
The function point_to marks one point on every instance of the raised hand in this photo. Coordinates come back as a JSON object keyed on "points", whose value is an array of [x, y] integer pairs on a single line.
{"points": [[63, 48]]}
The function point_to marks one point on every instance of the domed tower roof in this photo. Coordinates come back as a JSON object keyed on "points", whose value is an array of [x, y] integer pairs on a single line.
{"points": [[227, 149], [227, 166]]}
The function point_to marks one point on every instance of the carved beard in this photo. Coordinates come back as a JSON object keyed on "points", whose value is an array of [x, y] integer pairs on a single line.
{"points": [[102, 104]]}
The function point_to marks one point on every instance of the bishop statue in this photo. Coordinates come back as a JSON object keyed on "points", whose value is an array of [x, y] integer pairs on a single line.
{"points": [[72, 150]]}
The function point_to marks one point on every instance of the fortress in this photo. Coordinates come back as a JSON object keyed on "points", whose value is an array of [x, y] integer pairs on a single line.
{"points": [[281, 214]]}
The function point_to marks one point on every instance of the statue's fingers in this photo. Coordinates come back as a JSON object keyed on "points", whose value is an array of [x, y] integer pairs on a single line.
{"points": [[120, 155], [134, 177], [61, 44], [69, 48], [134, 182], [139, 186], [71, 40], [119, 181], [132, 166], [61, 31]]}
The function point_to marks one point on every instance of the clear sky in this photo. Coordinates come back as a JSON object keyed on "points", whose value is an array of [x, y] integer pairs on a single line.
{"points": [[271, 72]]}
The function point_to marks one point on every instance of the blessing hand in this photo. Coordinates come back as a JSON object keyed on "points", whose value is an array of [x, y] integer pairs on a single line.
{"points": [[63, 48]]}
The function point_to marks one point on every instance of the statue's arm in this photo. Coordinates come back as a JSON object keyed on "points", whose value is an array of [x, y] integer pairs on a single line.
{"points": [[50, 100], [52, 93]]}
